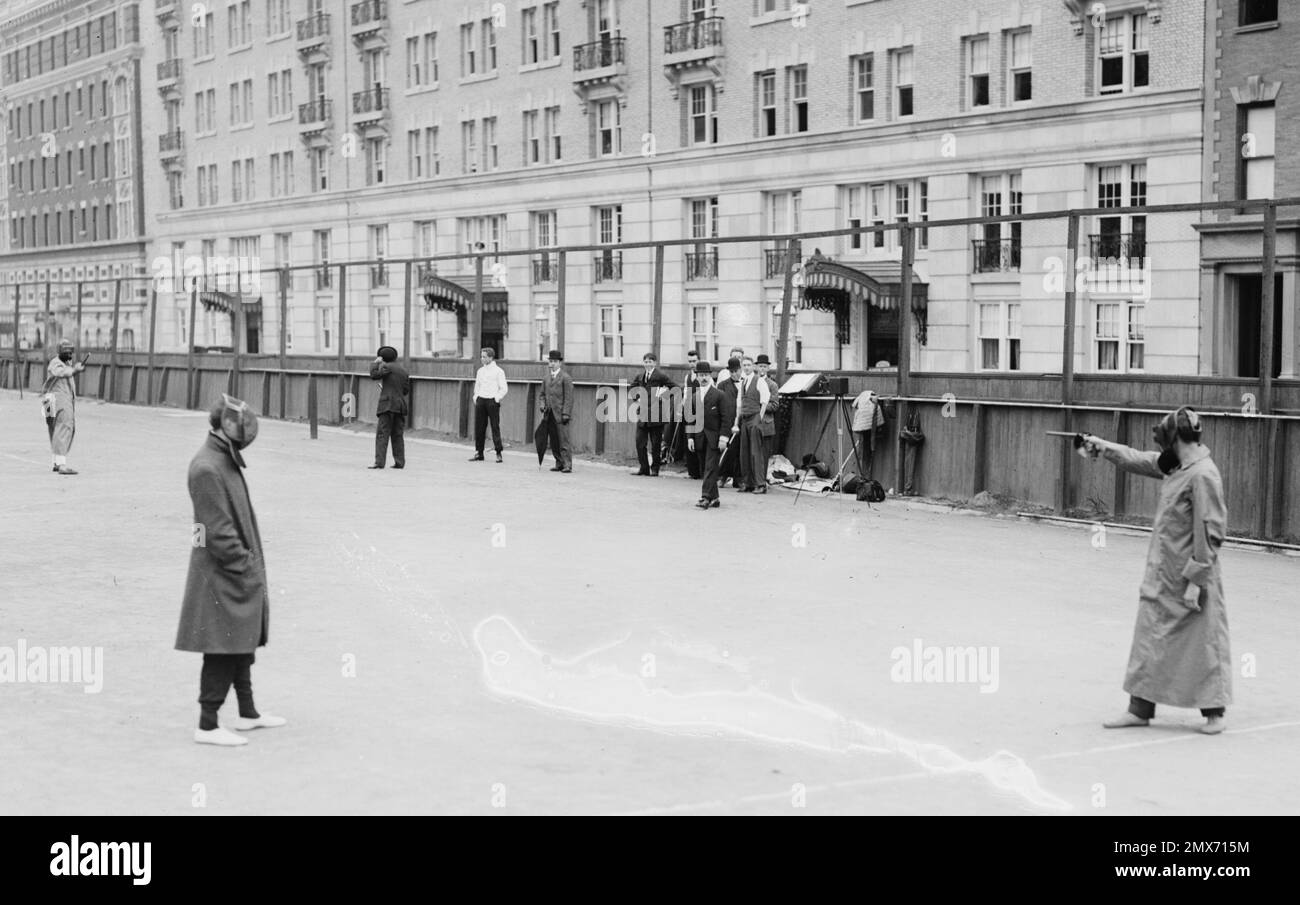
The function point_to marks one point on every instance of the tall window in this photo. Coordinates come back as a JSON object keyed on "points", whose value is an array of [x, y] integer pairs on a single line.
{"points": [[532, 138], [767, 104], [1257, 12], [204, 44], [469, 146], [998, 248], [799, 99], [378, 236], [551, 28], [320, 169], [1021, 65], [864, 86], [1123, 54], [320, 247], [205, 111], [425, 238], [241, 180], [879, 205], [482, 234], [903, 82], [422, 60], [1119, 235], [532, 40], [175, 191], [552, 119], [241, 102], [544, 236], [376, 161], [611, 332], [1119, 336], [609, 129], [1258, 127], [239, 23], [609, 231], [278, 21], [491, 156], [488, 33], [282, 174], [702, 257], [433, 163], [280, 93], [977, 66], [999, 336], [326, 328], [703, 115], [469, 58], [704, 331]]}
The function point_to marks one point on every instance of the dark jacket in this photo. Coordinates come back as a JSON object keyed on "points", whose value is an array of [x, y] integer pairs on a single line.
{"points": [[226, 609], [718, 416], [395, 387], [557, 394], [655, 409]]}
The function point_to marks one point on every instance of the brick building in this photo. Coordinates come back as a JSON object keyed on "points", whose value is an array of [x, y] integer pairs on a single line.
{"points": [[1252, 86], [70, 196], [332, 131]]}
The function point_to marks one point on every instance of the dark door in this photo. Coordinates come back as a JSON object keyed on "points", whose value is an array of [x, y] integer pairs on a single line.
{"points": [[1250, 289]]}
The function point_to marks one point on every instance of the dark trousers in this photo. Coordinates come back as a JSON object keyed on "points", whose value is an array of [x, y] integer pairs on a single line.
{"points": [[865, 453], [557, 435], [711, 458], [391, 425], [910, 451], [730, 466], [695, 461], [220, 671], [486, 410], [753, 467], [1144, 709], [651, 435]]}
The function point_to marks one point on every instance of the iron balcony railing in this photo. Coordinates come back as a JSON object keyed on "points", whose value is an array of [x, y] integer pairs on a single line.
{"points": [[324, 277], [996, 255], [607, 267], [169, 142], [695, 35], [375, 100], [378, 275], [369, 11], [608, 52], [546, 270], [424, 271], [774, 261], [702, 265], [169, 69], [313, 27], [164, 6], [1110, 246], [317, 111]]}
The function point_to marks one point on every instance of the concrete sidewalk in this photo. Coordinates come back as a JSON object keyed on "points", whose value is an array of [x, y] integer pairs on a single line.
{"points": [[646, 657]]}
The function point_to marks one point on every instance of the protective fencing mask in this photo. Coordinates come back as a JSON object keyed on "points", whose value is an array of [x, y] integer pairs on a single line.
{"points": [[65, 352], [1183, 424], [234, 422]]}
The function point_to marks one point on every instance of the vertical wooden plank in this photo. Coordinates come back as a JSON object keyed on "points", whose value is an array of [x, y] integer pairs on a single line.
{"points": [[561, 285], [1064, 488], [904, 345], [48, 338], [476, 315], [240, 329], [1119, 430], [342, 356], [1267, 473], [979, 478], [312, 417], [112, 342], [76, 340], [284, 341], [18, 370], [190, 388], [406, 315], [153, 328], [530, 421], [787, 291], [657, 303]]}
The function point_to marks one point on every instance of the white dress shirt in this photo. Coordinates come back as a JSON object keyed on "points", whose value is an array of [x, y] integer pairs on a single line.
{"points": [[490, 382]]}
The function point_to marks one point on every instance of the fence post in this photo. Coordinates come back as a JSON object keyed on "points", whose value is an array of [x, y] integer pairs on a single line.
{"points": [[1119, 430], [1066, 451], [342, 358], [979, 466], [284, 339], [77, 339], [190, 388], [1268, 477], [406, 317], [18, 370], [787, 292], [312, 417], [561, 284], [657, 303], [48, 338], [153, 323], [240, 329], [476, 315], [904, 347], [112, 351]]}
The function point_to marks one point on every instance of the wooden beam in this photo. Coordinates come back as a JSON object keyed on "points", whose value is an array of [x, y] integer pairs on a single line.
{"points": [[787, 293], [153, 329], [112, 342], [657, 304], [282, 380], [561, 283], [979, 478]]}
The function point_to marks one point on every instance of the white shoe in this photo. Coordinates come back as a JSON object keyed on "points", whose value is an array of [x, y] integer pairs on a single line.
{"points": [[1125, 720], [1214, 725], [265, 721], [218, 736]]}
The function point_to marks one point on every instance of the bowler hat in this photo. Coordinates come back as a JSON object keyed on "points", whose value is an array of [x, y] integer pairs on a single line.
{"points": [[733, 364], [762, 359], [703, 367], [555, 355], [387, 353]]}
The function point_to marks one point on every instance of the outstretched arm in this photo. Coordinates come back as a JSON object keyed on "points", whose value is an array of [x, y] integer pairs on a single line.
{"points": [[1126, 458]]}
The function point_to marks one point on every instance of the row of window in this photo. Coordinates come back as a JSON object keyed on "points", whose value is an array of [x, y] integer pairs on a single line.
{"points": [[55, 170], [72, 45], [87, 103], [89, 223]]}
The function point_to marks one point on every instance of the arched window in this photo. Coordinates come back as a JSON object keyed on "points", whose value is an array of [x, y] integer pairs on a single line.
{"points": [[128, 340]]}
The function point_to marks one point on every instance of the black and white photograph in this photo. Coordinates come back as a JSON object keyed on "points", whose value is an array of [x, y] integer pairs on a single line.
{"points": [[874, 408]]}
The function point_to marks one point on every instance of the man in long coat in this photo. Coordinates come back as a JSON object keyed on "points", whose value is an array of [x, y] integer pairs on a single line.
{"points": [[60, 403], [395, 386], [1180, 654], [226, 610], [557, 409]]}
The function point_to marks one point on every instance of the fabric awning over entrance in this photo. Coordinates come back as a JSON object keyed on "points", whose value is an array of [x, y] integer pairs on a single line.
{"points": [[831, 286], [456, 293], [225, 302]]}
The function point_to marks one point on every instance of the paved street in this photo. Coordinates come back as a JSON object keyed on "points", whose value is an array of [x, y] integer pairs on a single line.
{"points": [[475, 638]]}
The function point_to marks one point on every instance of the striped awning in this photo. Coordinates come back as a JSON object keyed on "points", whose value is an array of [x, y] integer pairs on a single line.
{"points": [[225, 302], [826, 283], [456, 293]]}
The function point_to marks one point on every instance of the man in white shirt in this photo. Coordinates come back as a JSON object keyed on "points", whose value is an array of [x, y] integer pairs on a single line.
{"points": [[752, 402], [489, 389]]}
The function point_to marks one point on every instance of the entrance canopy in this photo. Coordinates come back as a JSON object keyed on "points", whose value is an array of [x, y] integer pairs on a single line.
{"points": [[225, 302], [456, 293], [832, 286]]}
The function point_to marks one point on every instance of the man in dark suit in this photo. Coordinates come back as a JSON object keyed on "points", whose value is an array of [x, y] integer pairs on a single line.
{"points": [[679, 447], [711, 413], [557, 409], [728, 384], [655, 410], [395, 386]]}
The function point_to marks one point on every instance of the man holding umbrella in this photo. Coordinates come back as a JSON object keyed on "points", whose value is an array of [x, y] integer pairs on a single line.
{"points": [[557, 409]]}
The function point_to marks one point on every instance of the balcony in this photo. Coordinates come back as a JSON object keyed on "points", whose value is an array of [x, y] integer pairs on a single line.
{"points": [[690, 46], [546, 270], [702, 265], [774, 262], [314, 121], [370, 110], [171, 143], [378, 275], [996, 255], [1112, 248], [600, 63], [167, 12], [370, 24], [314, 38], [169, 79], [324, 277], [607, 267]]}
